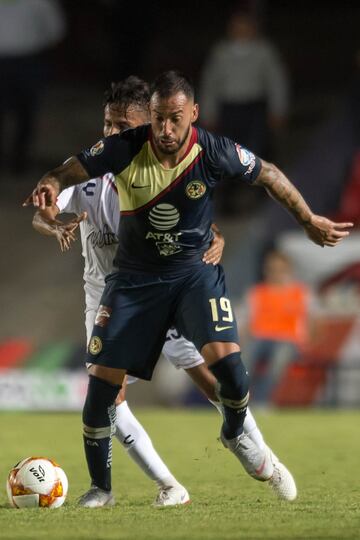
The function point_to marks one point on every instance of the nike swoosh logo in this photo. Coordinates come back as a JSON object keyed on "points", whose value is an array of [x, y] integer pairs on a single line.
{"points": [[261, 468], [220, 328], [139, 187]]}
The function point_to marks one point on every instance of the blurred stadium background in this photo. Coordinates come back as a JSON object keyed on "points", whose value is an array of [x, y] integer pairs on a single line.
{"points": [[42, 326]]}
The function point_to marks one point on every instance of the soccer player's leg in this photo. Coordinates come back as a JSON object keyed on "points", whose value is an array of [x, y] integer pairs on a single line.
{"points": [[137, 443], [124, 322], [204, 316], [184, 355], [98, 425]]}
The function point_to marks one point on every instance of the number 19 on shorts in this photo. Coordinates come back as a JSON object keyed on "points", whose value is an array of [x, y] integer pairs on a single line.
{"points": [[221, 312]]}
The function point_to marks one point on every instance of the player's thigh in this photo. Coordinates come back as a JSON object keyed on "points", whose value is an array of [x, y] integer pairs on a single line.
{"points": [[126, 333], [181, 352], [204, 313]]}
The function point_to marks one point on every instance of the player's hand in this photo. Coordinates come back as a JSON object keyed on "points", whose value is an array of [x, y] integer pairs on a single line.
{"points": [[324, 232], [214, 253], [64, 232], [45, 194]]}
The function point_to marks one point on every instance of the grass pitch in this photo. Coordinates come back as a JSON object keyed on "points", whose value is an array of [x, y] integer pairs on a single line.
{"points": [[322, 449]]}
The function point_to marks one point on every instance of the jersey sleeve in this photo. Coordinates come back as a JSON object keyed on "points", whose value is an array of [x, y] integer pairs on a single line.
{"points": [[66, 201], [230, 160], [111, 154]]}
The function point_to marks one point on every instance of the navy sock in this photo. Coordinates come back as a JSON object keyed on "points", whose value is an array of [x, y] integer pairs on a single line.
{"points": [[233, 392], [98, 418]]}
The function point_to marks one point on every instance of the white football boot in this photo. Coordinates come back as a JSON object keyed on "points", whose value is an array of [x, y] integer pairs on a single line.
{"points": [[282, 481], [256, 462], [172, 496], [96, 498]]}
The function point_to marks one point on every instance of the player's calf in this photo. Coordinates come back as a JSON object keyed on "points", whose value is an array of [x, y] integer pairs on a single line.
{"points": [[232, 391], [98, 419]]}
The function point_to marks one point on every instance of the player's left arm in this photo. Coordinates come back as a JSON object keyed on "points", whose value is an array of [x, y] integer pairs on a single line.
{"points": [[319, 229], [214, 253]]}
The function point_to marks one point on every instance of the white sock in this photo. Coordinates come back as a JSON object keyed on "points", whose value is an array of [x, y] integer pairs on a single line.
{"points": [[250, 426], [251, 429], [138, 445]]}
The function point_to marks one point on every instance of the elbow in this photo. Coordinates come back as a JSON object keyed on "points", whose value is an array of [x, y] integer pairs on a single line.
{"points": [[268, 174]]}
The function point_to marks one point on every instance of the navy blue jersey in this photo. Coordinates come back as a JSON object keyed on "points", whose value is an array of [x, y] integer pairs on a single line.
{"points": [[166, 214]]}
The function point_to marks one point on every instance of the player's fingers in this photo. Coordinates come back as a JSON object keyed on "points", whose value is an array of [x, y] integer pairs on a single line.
{"points": [[208, 255], [214, 258], [331, 244], [343, 225], [28, 201], [71, 236], [81, 217], [42, 200], [339, 234]]}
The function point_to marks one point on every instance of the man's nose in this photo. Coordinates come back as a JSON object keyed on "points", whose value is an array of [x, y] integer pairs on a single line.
{"points": [[167, 127]]}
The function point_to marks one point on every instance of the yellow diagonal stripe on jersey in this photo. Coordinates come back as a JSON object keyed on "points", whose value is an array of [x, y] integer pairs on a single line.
{"points": [[145, 178]]}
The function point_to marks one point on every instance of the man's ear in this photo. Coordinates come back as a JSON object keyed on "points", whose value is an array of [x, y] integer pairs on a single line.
{"points": [[195, 113]]}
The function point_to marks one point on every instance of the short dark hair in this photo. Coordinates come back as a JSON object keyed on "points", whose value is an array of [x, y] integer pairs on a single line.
{"points": [[172, 82], [130, 91]]}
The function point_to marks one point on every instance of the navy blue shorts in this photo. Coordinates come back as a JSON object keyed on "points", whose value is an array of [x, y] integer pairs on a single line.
{"points": [[136, 311]]}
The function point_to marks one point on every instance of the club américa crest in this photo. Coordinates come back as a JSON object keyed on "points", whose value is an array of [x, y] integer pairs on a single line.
{"points": [[195, 189]]}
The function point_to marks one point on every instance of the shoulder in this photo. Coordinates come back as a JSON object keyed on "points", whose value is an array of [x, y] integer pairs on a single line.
{"points": [[210, 142]]}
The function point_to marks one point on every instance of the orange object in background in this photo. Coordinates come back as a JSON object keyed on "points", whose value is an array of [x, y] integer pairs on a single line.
{"points": [[279, 312]]}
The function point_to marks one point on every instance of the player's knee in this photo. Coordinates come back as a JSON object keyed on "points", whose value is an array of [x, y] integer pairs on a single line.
{"points": [[99, 408], [233, 385]]}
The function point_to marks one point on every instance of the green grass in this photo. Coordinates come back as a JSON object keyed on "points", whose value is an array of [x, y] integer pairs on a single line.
{"points": [[321, 448]]}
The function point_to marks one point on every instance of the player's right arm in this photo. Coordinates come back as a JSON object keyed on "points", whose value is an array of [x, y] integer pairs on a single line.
{"points": [[53, 182], [111, 154]]}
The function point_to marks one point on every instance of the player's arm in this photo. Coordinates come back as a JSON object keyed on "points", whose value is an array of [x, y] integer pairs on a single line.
{"points": [[45, 222], [111, 154], [214, 253], [319, 229], [48, 188]]}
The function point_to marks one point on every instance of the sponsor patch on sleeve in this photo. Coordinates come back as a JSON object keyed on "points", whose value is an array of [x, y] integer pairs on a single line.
{"points": [[247, 158], [97, 148]]}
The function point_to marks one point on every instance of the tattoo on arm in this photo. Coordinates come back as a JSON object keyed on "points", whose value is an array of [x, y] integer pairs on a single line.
{"points": [[68, 174], [282, 190]]}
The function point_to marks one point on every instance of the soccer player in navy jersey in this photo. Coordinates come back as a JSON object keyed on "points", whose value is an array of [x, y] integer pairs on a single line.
{"points": [[165, 175]]}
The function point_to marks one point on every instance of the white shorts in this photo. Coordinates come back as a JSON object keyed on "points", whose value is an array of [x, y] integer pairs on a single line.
{"points": [[180, 352]]}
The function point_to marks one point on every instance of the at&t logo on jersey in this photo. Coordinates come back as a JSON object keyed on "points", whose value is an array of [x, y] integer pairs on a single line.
{"points": [[164, 217]]}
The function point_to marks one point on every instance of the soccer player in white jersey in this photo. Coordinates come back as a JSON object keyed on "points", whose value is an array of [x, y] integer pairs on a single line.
{"points": [[97, 208]]}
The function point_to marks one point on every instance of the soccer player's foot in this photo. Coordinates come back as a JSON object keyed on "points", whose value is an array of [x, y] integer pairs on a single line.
{"points": [[96, 498], [282, 481], [256, 462], [171, 496]]}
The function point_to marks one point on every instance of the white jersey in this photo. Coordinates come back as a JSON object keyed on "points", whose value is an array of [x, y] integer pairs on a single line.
{"points": [[98, 197]]}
